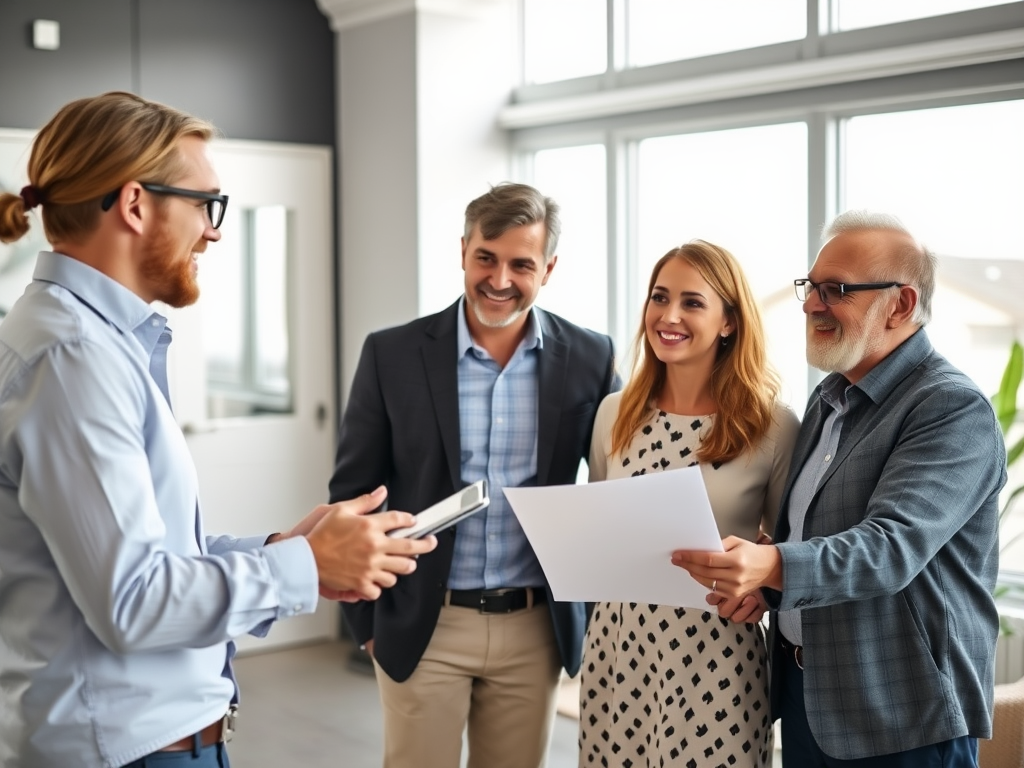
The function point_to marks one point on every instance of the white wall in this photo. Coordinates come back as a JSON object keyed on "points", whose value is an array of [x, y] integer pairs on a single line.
{"points": [[465, 71], [420, 85], [377, 209]]}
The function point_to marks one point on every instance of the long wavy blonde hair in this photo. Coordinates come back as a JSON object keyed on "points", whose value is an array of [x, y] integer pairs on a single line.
{"points": [[745, 387]]}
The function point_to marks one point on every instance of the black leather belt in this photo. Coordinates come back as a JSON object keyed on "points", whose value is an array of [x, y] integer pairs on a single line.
{"points": [[794, 652], [497, 600]]}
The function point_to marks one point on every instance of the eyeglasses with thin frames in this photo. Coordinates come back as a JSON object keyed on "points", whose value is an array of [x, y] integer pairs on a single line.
{"points": [[216, 204], [832, 292]]}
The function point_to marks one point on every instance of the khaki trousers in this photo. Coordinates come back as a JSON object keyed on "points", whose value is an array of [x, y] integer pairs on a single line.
{"points": [[491, 675]]}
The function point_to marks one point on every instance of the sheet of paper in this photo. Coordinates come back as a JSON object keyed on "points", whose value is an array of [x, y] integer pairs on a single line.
{"points": [[612, 541]]}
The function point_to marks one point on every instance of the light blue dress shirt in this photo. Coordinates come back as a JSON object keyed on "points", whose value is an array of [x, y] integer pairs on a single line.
{"points": [[116, 611], [498, 433], [833, 394]]}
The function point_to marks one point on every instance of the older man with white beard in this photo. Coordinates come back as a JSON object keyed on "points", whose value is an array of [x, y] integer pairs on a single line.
{"points": [[880, 581]]}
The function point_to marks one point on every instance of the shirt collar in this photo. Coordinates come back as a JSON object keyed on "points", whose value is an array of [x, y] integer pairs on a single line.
{"points": [[534, 338], [112, 301], [883, 378]]}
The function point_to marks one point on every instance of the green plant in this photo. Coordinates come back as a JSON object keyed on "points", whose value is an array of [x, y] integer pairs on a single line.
{"points": [[1005, 404]]}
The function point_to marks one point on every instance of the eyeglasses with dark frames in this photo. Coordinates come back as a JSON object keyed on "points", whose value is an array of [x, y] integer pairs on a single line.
{"points": [[216, 204], [832, 292]]}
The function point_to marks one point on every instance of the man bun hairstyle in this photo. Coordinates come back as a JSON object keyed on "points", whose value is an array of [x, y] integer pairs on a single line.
{"points": [[92, 147]]}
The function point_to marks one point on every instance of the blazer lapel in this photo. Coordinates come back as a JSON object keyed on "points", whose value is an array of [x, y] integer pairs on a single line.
{"points": [[440, 361], [553, 366], [810, 432]]}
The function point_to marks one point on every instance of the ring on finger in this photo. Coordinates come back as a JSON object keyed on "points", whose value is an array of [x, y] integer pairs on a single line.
{"points": [[714, 585]]}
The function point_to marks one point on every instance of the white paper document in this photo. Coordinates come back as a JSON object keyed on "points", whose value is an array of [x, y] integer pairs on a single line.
{"points": [[613, 540]]}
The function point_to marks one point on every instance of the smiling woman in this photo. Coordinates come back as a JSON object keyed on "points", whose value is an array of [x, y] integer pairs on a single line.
{"points": [[701, 393]]}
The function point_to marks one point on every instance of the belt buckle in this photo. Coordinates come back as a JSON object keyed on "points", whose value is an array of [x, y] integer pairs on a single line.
{"points": [[229, 724], [489, 602], [497, 601]]}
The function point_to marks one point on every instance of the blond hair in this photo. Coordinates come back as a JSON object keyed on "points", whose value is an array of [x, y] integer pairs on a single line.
{"points": [[91, 148], [744, 385]]}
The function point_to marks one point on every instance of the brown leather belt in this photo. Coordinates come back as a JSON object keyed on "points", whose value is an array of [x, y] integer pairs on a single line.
{"points": [[497, 600], [794, 652], [215, 733]]}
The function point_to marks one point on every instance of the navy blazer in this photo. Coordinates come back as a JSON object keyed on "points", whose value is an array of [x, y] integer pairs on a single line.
{"points": [[898, 560], [401, 429]]}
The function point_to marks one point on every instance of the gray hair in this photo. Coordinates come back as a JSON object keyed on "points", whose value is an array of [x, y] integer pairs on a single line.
{"points": [[914, 266], [509, 205]]}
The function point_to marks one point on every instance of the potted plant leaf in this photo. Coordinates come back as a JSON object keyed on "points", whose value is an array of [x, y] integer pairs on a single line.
{"points": [[1005, 404]]}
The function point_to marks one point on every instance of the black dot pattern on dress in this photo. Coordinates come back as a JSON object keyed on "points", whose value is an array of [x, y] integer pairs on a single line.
{"points": [[665, 686], [636, 712]]}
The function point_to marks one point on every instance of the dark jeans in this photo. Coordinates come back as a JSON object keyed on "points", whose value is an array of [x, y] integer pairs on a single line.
{"points": [[800, 750], [214, 756]]}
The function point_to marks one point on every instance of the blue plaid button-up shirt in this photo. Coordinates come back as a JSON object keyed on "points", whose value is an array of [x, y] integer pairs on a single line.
{"points": [[498, 434]]}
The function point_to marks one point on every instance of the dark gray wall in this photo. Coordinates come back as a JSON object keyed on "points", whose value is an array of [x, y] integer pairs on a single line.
{"points": [[258, 69]]}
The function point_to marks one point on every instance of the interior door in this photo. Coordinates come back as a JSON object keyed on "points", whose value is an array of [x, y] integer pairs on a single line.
{"points": [[252, 364]]}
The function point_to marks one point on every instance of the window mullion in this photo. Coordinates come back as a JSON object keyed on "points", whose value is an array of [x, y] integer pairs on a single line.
{"points": [[618, 37]]}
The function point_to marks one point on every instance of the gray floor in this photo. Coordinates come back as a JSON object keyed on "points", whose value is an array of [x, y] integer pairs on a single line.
{"points": [[306, 707]]}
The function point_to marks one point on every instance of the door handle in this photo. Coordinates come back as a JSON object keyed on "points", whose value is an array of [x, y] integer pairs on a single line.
{"points": [[198, 427]]}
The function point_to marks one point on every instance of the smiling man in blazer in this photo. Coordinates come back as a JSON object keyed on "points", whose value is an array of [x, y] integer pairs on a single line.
{"points": [[491, 388]]}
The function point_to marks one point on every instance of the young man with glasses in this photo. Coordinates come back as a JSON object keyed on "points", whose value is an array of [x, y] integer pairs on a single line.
{"points": [[117, 612], [880, 581]]}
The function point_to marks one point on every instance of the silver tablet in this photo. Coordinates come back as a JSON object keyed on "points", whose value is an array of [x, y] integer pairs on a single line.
{"points": [[446, 512]]}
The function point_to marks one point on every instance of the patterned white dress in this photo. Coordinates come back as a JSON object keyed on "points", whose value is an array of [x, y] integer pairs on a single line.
{"points": [[665, 686]]}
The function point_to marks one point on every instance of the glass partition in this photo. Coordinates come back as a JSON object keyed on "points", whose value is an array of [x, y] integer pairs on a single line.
{"points": [[246, 316], [564, 39]]}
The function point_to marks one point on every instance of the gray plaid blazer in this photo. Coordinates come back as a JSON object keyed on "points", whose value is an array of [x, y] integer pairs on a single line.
{"points": [[898, 561]]}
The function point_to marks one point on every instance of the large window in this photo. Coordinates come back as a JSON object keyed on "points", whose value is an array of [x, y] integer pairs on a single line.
{"points": [[564, 39], [670, 30], [823, 110], [575, 179], [855, 14]]}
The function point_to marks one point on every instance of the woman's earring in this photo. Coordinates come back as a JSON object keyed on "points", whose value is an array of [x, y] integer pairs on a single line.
{"points": [[725, 339]]}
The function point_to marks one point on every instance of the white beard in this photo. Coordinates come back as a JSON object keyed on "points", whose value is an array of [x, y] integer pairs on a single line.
{"points": [[849, 348]]}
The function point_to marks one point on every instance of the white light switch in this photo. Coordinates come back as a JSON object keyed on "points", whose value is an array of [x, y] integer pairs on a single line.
{"points": [[46, 35]]}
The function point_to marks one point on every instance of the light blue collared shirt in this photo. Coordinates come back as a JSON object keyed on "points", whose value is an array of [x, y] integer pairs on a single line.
{"points": [[116, 611], [498, 433], [834, 395]]}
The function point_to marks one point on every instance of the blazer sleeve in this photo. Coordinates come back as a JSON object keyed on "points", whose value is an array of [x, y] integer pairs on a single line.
{"points": [[945, 465], [363, 454]]}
